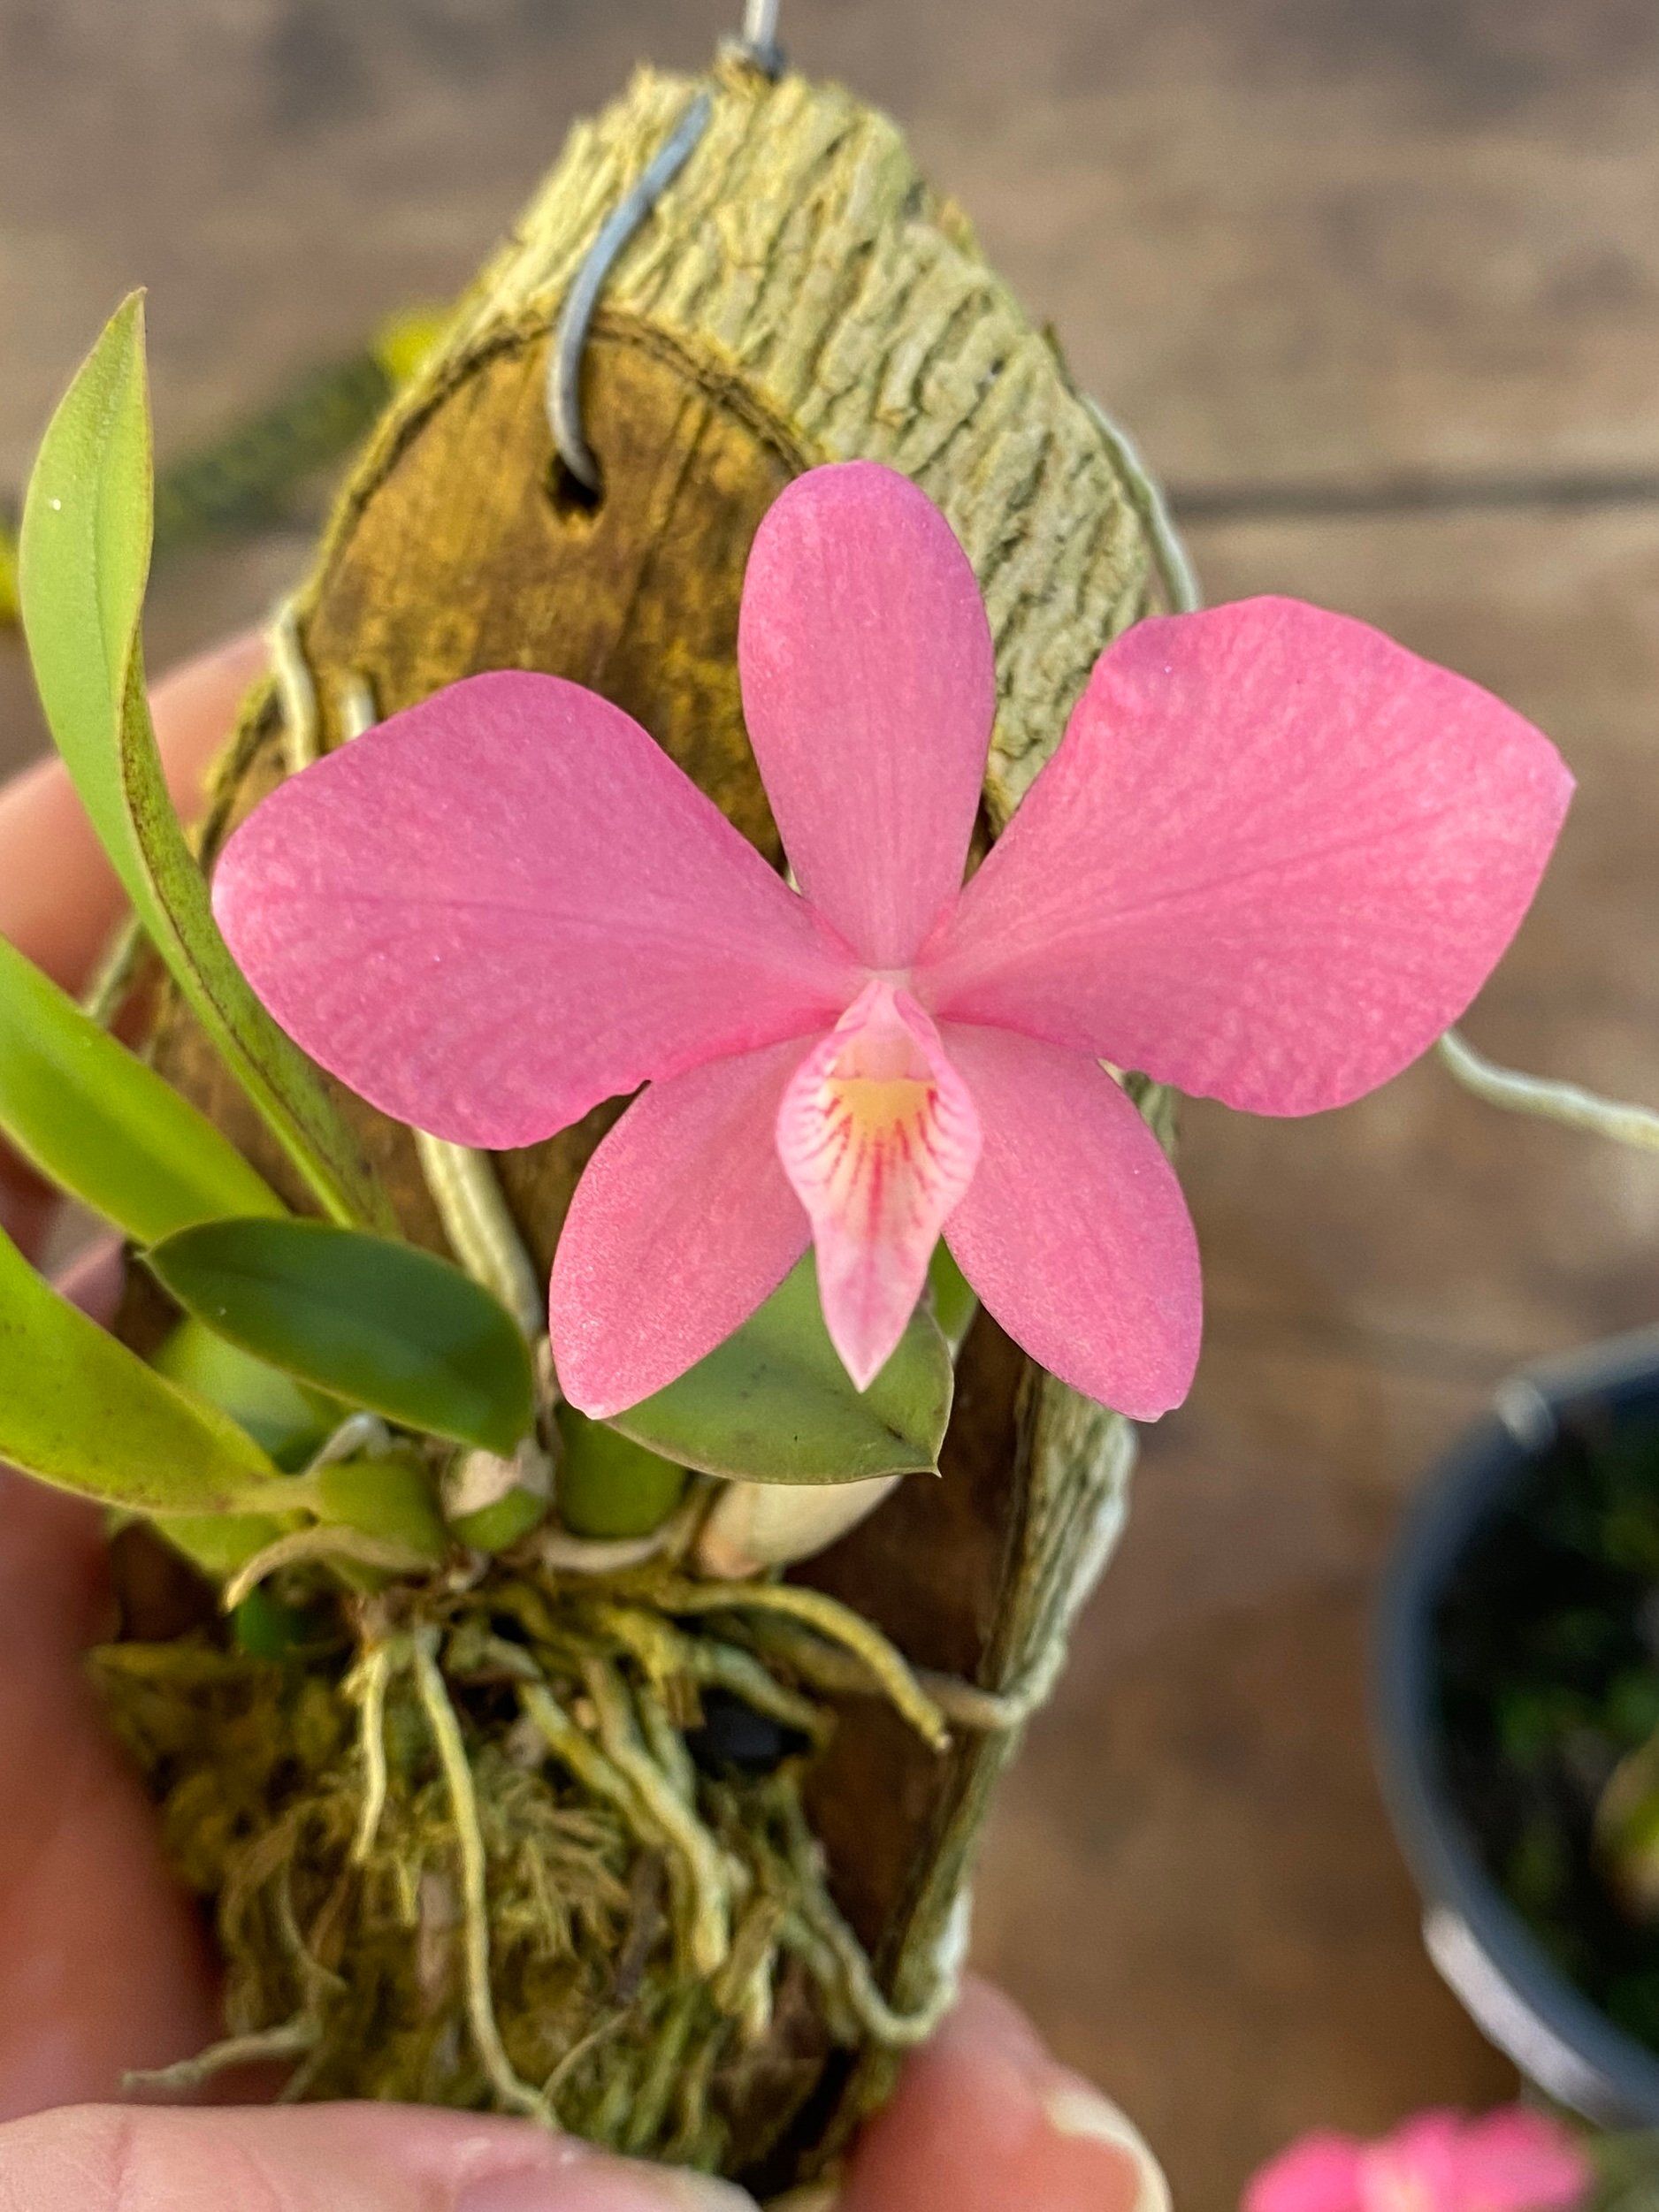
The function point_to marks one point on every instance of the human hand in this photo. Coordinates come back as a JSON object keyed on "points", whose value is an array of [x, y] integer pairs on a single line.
{"points": [[104, 1966]]}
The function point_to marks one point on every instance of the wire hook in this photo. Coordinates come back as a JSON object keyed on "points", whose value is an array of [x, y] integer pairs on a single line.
{"points": [[758, 46], [564, 368]]}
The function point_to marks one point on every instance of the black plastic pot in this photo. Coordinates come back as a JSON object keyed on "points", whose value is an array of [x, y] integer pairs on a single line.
{"points": [[1480, 1944]]}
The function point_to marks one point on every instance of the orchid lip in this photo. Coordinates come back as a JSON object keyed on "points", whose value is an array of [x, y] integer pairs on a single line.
{"points": [[879, 1139]]}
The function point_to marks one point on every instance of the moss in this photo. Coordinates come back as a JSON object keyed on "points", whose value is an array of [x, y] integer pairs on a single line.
{"points": [[503, 1847]]}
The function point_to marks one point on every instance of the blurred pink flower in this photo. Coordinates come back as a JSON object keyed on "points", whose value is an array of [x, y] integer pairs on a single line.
{"points": [[1273, 858], [1513, 2161]]}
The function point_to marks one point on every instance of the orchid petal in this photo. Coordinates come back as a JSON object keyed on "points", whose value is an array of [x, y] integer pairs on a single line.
{"points": [[1320, 2173], [1274, 857], [1517, 2160], [508, 903], [869, 687], [879, 1139], [681, 1225], [1074, 1232]]}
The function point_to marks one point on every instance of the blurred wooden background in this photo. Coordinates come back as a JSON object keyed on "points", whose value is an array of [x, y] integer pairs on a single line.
{"points": [[1376, 283]]}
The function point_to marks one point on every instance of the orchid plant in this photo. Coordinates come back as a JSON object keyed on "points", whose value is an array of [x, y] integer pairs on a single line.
{"points": [[1510, 2161], [1273, 859]]}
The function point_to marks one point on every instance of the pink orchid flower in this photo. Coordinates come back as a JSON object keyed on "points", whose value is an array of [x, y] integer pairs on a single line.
{"points": [[1513, 2161], [1273, 858]]}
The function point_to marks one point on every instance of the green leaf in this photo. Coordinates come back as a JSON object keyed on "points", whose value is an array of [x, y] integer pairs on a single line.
{"points": [[79, 1410], [774, 1404], [379, 1324], [103, 1127], [84, 557], [281, 1415]]}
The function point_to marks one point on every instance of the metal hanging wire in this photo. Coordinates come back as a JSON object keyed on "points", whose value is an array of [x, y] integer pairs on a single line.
{"points": [[757, 44], [759, 40], [565, 368]]}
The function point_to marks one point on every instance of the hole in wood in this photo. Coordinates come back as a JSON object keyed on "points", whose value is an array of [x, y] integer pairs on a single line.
{"points": [[573, 502]]}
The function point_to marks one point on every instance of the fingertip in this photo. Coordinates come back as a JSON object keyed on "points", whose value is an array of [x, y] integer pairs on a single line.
{"points": [[984, 2119], [1078, 2113]]}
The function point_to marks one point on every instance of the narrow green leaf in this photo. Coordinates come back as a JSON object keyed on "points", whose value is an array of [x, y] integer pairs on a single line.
{"points": [[379, 1324], [79, 1410], [103, 1127], [84, 556], [774, 1404]]}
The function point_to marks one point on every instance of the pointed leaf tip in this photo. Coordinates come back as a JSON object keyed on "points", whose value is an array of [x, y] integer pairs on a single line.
{"points": [[83, 551]]}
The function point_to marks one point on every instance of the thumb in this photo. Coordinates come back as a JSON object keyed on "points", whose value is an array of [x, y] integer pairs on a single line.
{"points": [[324, 2158], [985, 2121]]}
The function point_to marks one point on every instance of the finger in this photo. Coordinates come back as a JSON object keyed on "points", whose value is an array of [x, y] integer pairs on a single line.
{"points": [[104, 1961], [59, 900], [985, 2120], [325, 2158], [58, 896]]}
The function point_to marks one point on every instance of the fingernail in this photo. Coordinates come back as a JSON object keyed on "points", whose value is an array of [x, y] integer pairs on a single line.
{"points": [[1077, 2109], [582, 2183]]}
